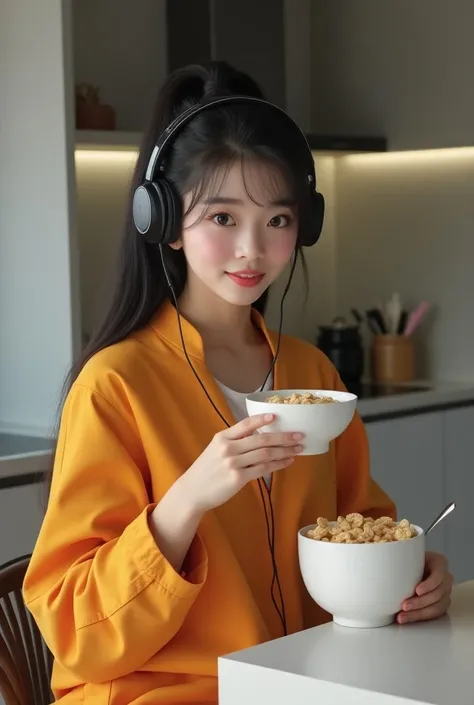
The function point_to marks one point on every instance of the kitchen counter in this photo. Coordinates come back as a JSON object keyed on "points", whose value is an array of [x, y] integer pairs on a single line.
{"points": [[23, 458], [429, 663], [22, 455], [419, 397]]}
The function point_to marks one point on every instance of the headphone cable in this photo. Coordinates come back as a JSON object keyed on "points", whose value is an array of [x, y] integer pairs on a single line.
{"points": [[270, 523]]}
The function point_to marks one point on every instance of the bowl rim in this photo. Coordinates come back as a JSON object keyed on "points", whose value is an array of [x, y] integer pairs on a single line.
{"points": [[305, 529], [255, 396]]}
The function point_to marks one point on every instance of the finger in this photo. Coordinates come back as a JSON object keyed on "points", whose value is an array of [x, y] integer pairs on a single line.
{"points": [[258, 471], [247, 426], [429, 598], [265, 456], [431, 612], [436, 570], [265, 440]]}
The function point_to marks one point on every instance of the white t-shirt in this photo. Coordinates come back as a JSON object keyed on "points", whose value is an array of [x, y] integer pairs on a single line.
{"points": [[236, 402]]}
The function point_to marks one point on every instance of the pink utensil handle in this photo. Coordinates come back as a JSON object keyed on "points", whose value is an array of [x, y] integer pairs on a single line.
{"points": [[415, 318]]}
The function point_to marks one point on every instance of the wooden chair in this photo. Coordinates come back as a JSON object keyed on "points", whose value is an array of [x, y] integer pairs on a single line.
{"points": [[25, 661]]}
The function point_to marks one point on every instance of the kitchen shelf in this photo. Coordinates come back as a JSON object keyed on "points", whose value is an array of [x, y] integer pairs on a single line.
{"points": [[324, 144], [107, 140]]}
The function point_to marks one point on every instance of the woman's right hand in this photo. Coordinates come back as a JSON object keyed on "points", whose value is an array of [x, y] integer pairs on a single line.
{"points": [[233, 458]]}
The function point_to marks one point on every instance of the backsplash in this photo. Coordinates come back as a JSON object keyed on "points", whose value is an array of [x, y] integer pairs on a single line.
{"points": [[394, 222], [405, 222]]}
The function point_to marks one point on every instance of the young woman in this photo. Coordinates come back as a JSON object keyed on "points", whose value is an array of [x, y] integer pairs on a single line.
{"points": [[154, 556]]}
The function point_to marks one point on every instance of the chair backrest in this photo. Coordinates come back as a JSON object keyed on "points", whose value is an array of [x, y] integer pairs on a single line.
{"points": [[25, 660]]}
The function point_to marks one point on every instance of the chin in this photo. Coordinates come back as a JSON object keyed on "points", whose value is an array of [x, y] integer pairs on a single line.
{"points": [[242, 297]]}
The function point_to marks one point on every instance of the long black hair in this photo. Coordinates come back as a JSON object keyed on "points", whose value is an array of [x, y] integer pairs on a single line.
{"points": [[214, 138], [211, 141]]}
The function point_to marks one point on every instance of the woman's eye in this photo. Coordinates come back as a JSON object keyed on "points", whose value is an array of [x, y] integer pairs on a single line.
{"points": [[279, 221], [223, 219]]}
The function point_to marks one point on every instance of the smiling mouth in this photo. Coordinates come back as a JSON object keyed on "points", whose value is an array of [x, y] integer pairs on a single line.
{"points": [[246, 278]]}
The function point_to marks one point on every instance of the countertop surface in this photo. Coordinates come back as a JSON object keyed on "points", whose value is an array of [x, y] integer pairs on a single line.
{"points": [[21, 453], [430, 663], [414, 398]]}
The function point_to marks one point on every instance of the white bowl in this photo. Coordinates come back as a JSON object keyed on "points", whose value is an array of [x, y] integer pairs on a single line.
{"points": [[320, 423], [361, 585]]}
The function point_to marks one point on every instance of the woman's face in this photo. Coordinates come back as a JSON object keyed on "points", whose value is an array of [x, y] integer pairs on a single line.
{"points": [[239, 240]]}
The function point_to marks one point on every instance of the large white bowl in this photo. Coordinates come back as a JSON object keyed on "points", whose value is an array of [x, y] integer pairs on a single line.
{"points": [[361, 585], [320, 423]]}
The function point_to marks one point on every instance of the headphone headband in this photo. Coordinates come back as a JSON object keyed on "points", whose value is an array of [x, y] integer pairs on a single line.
{"points": [[157, 208], [155, 163]]}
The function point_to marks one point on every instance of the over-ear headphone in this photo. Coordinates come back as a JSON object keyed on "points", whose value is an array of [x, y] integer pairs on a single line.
{"points": [[157, 207]]}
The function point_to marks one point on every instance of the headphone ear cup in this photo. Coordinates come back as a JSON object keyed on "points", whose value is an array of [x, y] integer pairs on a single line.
{"points": [[316, 220], [173, 209], [149, 214]]}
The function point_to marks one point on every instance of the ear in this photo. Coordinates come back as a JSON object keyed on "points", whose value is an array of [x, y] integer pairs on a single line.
{"points": [[178, 245]]}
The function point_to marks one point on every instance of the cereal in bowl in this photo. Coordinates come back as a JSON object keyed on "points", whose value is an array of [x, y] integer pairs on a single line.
{"points": [[306, 398], [355, 528]]}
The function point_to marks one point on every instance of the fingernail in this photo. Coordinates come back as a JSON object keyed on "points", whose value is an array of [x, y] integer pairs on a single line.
{"points": [[297, 436], [298, 449], [407, 605], [402, 619], [268, 417]]}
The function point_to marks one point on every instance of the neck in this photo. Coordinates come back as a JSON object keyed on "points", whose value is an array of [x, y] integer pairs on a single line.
{"points": [[218, 322]]}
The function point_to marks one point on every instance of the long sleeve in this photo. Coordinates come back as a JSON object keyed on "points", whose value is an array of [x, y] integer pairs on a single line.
{"points": [[357, 491], [105, 598]]}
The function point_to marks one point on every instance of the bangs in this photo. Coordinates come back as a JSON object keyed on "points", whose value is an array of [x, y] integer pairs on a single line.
{"points": [[274, 184]]}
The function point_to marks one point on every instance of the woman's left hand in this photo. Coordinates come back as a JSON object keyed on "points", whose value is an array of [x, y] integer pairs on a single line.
{"points": [[433, 595]]}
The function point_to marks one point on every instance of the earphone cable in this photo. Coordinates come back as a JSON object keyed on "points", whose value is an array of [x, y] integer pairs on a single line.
{"points": [[270, 523]]}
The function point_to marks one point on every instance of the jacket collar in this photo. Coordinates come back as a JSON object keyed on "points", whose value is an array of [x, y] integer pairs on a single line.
{"points": [[167, 325]]}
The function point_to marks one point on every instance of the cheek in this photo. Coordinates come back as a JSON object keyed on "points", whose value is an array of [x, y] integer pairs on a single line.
{"points": [[205, 247], [281, 247]]}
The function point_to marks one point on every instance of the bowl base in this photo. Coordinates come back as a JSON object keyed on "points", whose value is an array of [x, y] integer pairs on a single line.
{"points": [[374, 623], [316, 450]]}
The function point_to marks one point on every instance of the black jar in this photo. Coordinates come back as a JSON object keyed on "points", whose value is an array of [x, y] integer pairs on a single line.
{"points": [[342, 344]]}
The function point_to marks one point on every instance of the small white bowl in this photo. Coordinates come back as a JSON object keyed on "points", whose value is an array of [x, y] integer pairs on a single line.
{"points": [[320, 423], [361, 585]]}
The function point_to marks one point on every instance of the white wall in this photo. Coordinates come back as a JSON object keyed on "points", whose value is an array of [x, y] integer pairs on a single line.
{"points": [[405, 223], [37, 284], [123, 51], [102, 190], [400, 68]]}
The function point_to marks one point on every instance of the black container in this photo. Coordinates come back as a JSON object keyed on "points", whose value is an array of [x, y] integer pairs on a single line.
{"points": [[342, 344]]}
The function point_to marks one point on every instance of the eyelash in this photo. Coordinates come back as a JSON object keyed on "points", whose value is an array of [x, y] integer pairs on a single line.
{"points": [[213, 216]]}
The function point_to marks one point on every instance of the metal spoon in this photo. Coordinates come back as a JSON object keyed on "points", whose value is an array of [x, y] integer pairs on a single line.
{"points": [[447, 510]]}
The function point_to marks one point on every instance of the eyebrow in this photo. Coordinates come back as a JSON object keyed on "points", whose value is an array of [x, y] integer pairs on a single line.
{"points": [[215, 200]]}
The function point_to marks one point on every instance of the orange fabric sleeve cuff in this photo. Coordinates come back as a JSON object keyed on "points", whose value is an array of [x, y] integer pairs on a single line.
{"points": [[150, 561]]}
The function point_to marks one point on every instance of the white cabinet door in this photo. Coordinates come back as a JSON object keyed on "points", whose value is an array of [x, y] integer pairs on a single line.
{"points": [[459, 464], [21, 514], [407, 461]]}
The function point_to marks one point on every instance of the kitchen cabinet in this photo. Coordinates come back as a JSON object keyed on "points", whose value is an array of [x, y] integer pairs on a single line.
{"points": [[459, 483], [397, 68], [425, 461], [21, 515], [121, 48], [407, 461]]}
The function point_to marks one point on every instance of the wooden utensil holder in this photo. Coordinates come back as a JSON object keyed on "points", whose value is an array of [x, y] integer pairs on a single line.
{"points": [[393, 359]]}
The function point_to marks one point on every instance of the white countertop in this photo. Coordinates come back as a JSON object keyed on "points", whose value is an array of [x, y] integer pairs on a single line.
{"points": [[21, 454], [31, 454], [430, 663], [436, 394]]}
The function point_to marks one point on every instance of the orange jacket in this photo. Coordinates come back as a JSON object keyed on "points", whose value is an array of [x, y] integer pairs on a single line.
{"points": [[123, 626]]}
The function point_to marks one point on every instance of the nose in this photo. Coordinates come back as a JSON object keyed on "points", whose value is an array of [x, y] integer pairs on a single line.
{"points": [[249, 243]]}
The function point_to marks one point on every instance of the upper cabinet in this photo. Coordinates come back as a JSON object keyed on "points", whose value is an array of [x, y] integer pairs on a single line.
{"points": [[127, 50], [398, 68], [121, 48]]}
